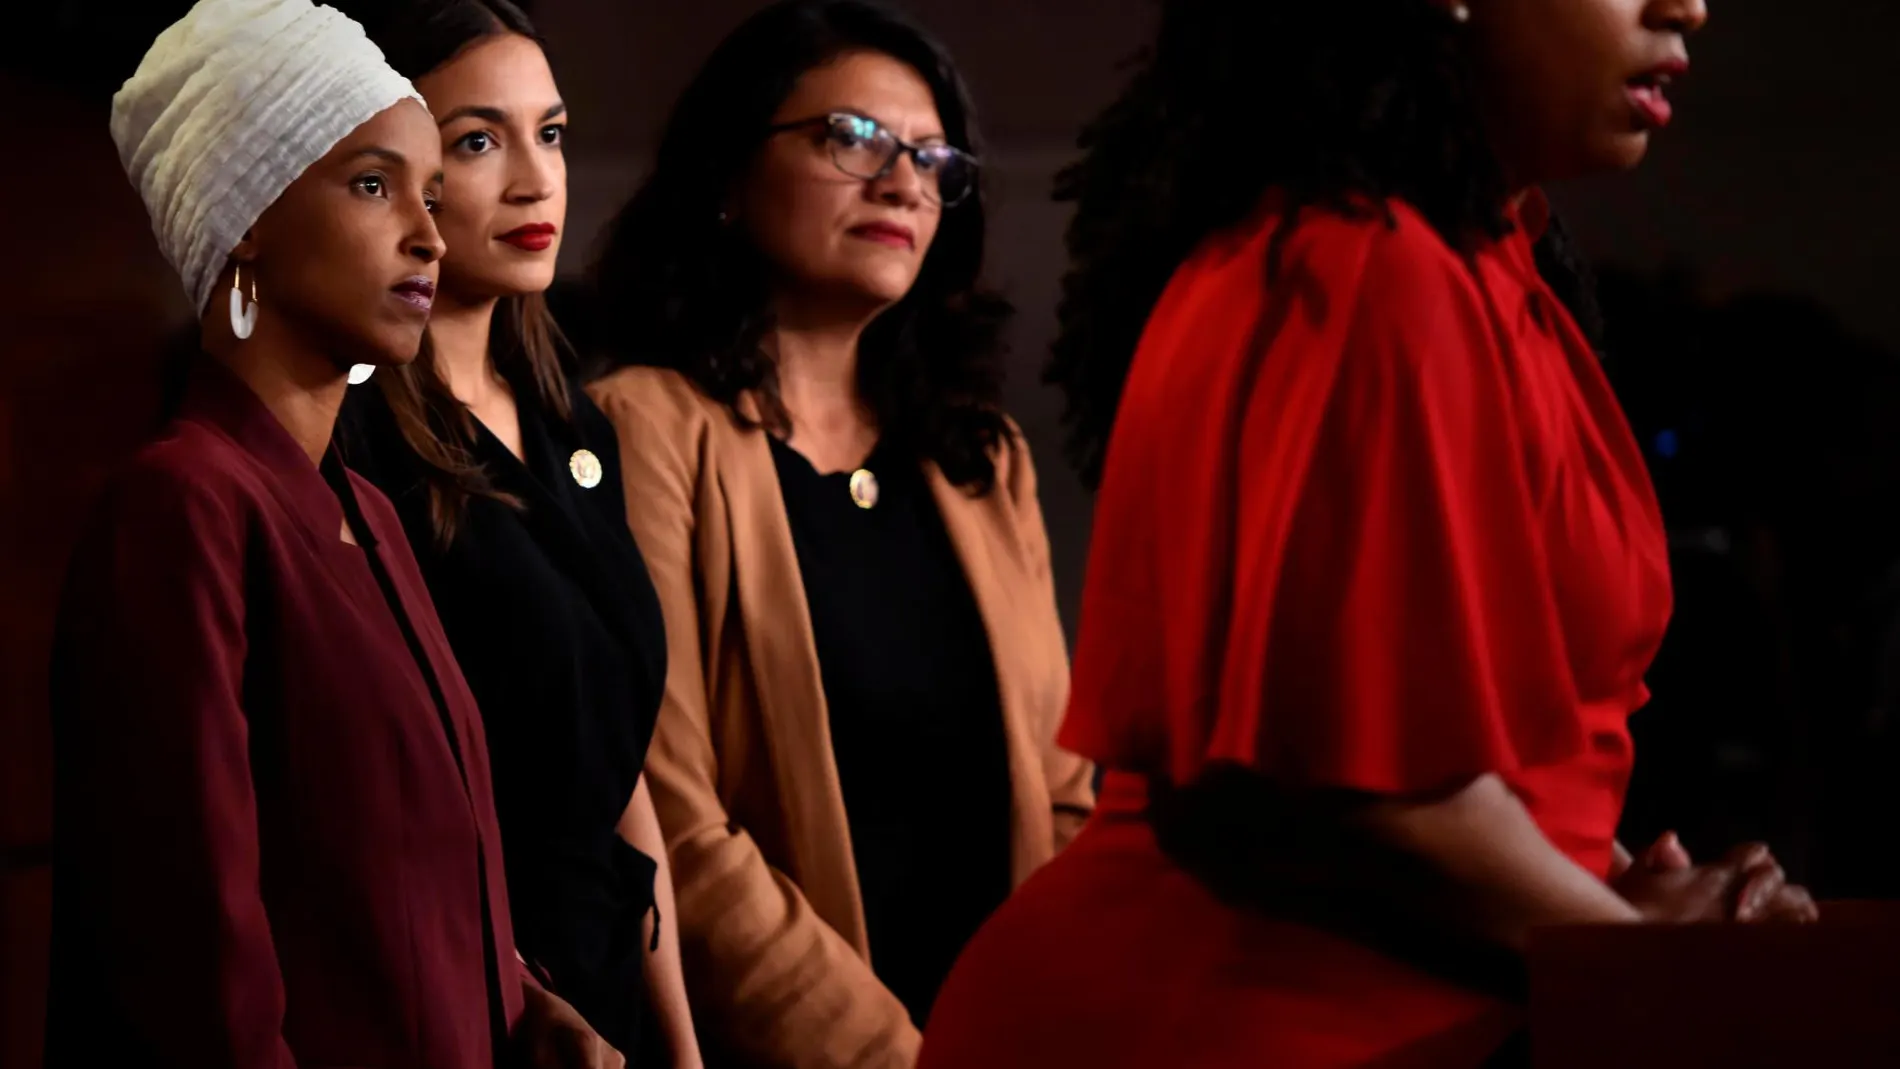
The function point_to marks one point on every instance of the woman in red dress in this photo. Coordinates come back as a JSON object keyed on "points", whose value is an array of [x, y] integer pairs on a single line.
{"points": [[1377, 569]]}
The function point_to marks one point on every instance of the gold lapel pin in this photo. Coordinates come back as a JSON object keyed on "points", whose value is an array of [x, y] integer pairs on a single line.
{"points": [[864, 488], [585, 467]]}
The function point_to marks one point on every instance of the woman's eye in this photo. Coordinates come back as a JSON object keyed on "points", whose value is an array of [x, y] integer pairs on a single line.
{"points": [[434, 205], [850, 133], [553, 134], [478, 142], [371, 184]]}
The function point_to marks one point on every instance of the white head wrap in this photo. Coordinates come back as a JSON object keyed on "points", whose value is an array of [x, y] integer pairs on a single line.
{"points": [[229, 106]]}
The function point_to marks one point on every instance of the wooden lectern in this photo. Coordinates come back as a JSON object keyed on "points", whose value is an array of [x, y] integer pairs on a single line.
{"points": [[1825, 996]]}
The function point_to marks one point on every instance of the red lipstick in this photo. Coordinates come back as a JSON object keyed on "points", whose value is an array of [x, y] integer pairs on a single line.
{"points": [[892, 234], [534, 237]]}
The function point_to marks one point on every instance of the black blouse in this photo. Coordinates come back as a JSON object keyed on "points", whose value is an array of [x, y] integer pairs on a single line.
{"points": [[916, 720], [557, 627]]}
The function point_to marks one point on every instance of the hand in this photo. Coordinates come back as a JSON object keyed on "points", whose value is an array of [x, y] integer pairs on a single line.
{"points": [[1760, 891], [1766, 895], [1666, 853], [1694, 894], [1628, 873], [1794, 905], [553, 1035]]}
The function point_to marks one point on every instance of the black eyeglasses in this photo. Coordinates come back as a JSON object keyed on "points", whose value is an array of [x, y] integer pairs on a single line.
{"points": [[862, 148]]}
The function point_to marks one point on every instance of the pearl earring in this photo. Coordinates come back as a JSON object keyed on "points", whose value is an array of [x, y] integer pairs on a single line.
{"points": [[1460, 13], [243, 317], [360, 373]]}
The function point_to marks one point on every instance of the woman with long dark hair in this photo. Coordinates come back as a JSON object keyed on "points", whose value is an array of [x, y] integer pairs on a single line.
{"points": [[854, 762], [1377, 569], [277, 842], [506, 479]]}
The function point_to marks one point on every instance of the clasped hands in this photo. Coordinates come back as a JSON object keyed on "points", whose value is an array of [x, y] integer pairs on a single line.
{"points": [[1747, 886]]}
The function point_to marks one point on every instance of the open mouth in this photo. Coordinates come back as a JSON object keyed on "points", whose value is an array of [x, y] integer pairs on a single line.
{"points": [[1648, 94]]}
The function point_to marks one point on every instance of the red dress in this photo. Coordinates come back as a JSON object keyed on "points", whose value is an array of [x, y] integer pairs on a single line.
{"points": [[1377, 525]]}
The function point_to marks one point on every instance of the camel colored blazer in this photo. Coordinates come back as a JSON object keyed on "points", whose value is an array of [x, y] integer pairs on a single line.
{"points": [[770, 919]]}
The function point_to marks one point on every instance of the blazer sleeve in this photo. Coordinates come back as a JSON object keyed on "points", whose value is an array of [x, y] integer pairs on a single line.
{"points": [[1071, 778], [781, 987], [158, 870]]}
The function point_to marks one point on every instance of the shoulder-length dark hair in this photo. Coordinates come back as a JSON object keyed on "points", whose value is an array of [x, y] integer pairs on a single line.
{"points": [[525, 343], [1336, 103], [677, 288]]}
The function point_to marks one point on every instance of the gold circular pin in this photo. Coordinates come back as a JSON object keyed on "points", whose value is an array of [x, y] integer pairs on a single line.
{"points": [[864, 488], [585, 467]]}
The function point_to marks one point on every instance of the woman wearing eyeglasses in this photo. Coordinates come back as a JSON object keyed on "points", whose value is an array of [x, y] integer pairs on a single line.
{"points": [[853, 764]]}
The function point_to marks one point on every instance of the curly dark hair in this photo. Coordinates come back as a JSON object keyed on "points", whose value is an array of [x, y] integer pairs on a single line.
{"points": [[676, 288], [1337, 104]]}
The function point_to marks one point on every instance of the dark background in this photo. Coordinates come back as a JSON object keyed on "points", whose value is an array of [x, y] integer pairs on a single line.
{"points": [[1748, 275]]}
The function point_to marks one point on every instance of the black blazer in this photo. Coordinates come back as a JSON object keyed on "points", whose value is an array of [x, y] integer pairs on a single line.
{"points": [[555, 622]]}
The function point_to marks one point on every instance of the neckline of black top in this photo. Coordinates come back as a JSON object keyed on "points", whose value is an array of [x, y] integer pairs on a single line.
{"points": [[876, 461]]}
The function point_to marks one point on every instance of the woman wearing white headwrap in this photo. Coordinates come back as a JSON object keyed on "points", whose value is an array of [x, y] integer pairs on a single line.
{"points": [[277, 842]]}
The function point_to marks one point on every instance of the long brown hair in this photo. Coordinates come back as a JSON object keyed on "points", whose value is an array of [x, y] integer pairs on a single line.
{"points": [[524, 342], [529, 351]]}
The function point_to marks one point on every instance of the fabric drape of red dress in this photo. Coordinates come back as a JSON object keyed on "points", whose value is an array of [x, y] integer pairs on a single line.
{"points": [[1375, 524]]}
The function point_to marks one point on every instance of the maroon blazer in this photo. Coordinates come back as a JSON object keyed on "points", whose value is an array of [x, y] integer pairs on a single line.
{"points": [[275, 839]]}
